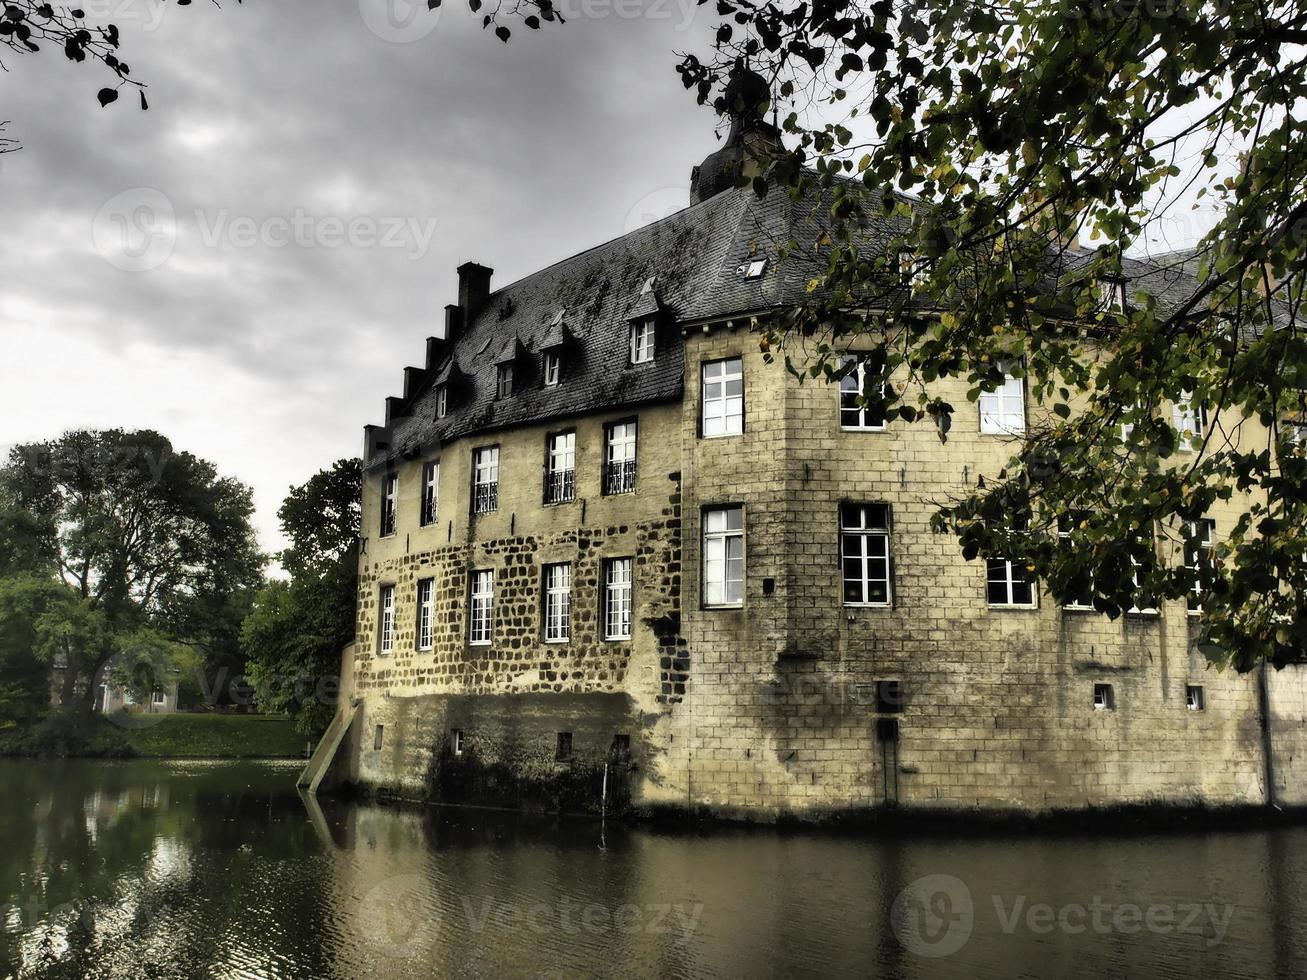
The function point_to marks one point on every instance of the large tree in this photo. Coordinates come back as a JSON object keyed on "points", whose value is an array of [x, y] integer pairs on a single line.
{"points": [[294, 636], [147, 545]]}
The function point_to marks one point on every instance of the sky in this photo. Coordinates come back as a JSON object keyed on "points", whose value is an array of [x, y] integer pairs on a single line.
{"points": [[248, 266]]}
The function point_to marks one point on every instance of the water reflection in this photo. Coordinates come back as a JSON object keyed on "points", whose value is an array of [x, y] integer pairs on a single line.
{"points": [[200, 870]]}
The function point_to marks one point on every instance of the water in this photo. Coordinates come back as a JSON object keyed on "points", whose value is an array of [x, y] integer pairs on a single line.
{"points": [[190, 869]]}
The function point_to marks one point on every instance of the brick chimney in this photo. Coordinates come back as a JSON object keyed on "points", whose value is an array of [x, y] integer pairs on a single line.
{"points": [[473, 288]]}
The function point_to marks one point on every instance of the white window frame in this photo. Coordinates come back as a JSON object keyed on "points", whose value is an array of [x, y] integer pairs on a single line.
{"points": [[386, 620], [642, 341], [553, 368], [1111, 294], [1076, 606], [560, 467], [1191, 423], [721, 413], [1134, 578], [558, 602], [426, 601], [1104, 696], [620, 447], [1201, 536], [723, 549], [1009, 575], [481, 607], [869, 538], [158, 697], [485, 480], [504, 380], [618, 596], [430, 492], [913, 270], [857, 378], [442, 401], [1195, 698], [457, 741], [389, 505], [1003, 411]]}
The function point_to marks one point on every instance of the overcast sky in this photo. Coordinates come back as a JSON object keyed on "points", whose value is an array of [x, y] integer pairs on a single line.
{"points": [[249, 265]]}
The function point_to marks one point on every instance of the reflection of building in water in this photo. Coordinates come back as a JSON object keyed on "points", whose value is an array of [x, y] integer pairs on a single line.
{"points": [[613, 555]]}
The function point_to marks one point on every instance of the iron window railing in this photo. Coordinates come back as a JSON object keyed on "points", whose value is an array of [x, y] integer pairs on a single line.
{"points": [[619, 476], [560, 486]]}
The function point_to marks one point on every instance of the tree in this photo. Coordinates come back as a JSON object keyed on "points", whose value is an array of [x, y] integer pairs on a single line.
{"points": [[25, 674], [146, 542], [293, 638], [981, 140]]}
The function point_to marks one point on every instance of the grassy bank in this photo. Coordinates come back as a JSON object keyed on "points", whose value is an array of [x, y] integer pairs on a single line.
{"points": [[179, 736]]}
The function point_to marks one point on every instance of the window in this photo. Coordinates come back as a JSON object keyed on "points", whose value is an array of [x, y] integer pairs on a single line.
{"points": [[558, 603], [1080, 594], [389, 490], [1007, 584], [1190, 422], [386, 623], [620, 750], [442, 401], [553, 368], [852, 387], [485, 480], [1198, 557], [560, 468], [563, 748], [481, 609], [912, 270], [1112, 295], [1149, 606], [377, 734], [1103, 699], [619, 458], [889, 697], [430, 491], [617, 599], [723, 397], [1298, 434], [1003, 412], [1194, 699], [426, 612], [753, 269], [864, 554], [642, 342], [503, 380], [723, 556], [159, 698], [456, 741]]}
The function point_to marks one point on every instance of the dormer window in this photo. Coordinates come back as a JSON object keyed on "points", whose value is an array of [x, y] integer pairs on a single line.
{"points": [[553, 368], [913, 271], [504, 380], [442, 401], [753, 269], [1112, 295], [642, 341]]}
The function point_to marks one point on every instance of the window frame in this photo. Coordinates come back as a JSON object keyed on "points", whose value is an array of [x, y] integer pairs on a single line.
{"points": [[158, 697], [504, 380], [430, 503], [725, 536], [1064, 535], [1012, 577], [556, 598], [1108, 700], [476, 599], [643, 338], [1002, 395], [610, 591], [424, 637], [1195, 698], [389, 516], [623, 485], [1195, 544], [560, 484], [552, 368], [724, 399], [859, 376], [492, 486], [442, 401], [866, 533], [1183, 410], [386, 619], [457, 741]]}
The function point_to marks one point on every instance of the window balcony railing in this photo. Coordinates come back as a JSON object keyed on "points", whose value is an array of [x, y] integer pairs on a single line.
{"points": [[560, 486], [619, 477], [485, 498]]}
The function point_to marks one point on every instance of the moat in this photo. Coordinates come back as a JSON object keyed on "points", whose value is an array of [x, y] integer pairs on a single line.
{"points": [[203, 869]]}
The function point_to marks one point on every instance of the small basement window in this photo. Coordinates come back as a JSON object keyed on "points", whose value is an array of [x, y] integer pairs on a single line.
{"points": [[377, 735], [889, 697], [1194, 699], [456, 741], [564, 750], [1103, 699]]}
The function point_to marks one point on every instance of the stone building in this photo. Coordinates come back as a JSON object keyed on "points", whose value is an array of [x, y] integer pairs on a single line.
{"points": [[611, 557]]}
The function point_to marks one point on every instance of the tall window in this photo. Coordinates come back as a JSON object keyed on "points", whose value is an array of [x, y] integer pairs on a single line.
{"points": [[642, 342], [723, 397], [1144, 603], [558, 603], [442, 401], [389, 491], [386, 620], [864, 553], [481, 609], [560, 468], [617, 599], [1080, 593], [1111, 294], [1008, 584], [430, 491], [485, 480], [852, 386], [1004, 411], [1199, 536], [1190, 421], [619, 458], [553, 368], [426, 612], [723, 556]]}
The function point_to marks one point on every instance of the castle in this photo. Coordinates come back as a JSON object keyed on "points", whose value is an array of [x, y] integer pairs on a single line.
{"points": [[614, 558]]}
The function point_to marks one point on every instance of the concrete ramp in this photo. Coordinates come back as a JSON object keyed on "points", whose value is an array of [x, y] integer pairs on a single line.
{"points": [[311, 779]]}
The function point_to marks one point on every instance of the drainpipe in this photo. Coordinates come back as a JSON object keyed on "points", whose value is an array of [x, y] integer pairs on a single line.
{"points": [[1264, 704]]}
